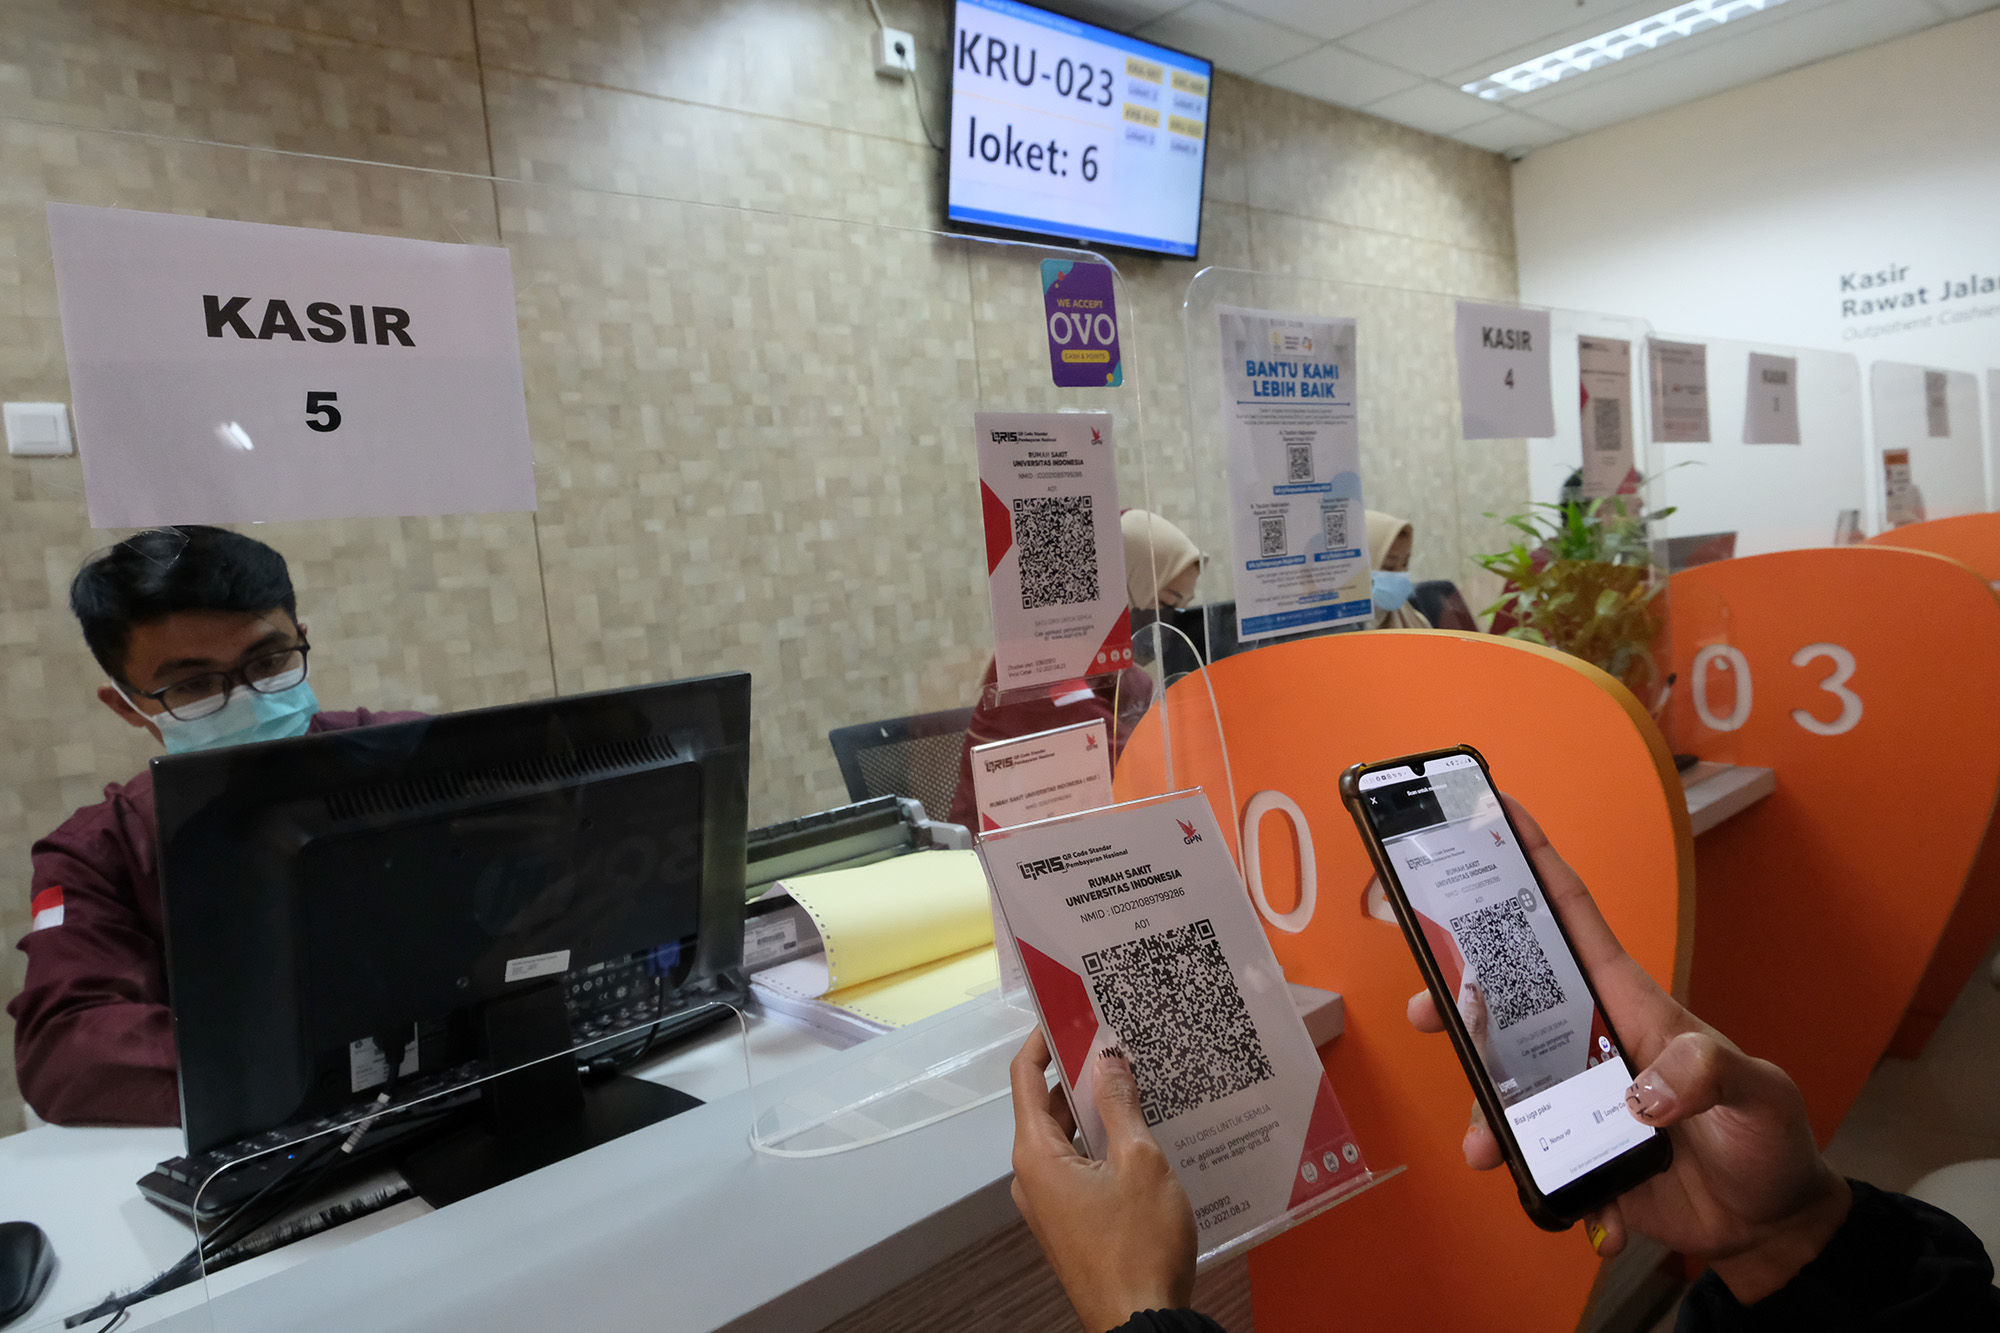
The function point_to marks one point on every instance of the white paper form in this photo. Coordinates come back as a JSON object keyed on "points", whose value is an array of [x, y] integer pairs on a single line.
{"points": [[1771, 400], [1937, 404], [1135, 929], [1503, 372], [1296, 518], [1064, 771], [1610, 458], [1905, 501], [1058, 772], [1680, 391], [1055, 558]]}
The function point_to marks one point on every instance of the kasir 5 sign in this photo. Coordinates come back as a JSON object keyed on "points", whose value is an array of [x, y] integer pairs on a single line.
{"points": [[236, 372]]}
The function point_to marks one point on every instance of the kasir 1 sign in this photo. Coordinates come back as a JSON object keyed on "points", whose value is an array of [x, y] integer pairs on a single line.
{"points": [[237, 372]]}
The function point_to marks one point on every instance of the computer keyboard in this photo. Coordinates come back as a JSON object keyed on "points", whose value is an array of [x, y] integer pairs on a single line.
{"points": [[607, 1003], [210, 1185]]}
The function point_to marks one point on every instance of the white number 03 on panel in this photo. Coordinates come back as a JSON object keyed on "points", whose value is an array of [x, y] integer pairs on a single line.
{"points": [[1723, 658]]}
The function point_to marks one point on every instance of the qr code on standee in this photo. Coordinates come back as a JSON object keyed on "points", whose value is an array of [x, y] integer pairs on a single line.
{"points": [[1607, 424], [1173, 1002], [1500, 949], [1298, 462], [1333, 524], [1270, 536], [1057, 535]]}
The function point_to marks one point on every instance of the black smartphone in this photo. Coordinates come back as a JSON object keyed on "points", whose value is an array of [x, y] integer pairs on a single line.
{"points": [[1542, 1057]]}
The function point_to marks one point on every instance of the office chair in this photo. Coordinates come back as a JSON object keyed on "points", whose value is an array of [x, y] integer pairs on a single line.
{"points": [[1444, 606], [904, 756]]}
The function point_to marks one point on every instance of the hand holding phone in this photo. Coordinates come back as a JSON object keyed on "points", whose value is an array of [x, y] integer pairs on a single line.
{"points": [[1747, 1187], [1544, 1059]]}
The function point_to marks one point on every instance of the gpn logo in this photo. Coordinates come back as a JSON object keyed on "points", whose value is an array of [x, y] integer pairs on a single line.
{"points": [[1188, 835]]}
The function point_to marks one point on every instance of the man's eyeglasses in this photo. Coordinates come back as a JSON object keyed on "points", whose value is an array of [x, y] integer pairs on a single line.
{"points": [[205, 694]]}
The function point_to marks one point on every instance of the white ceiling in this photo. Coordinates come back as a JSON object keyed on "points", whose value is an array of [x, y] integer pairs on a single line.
{"points": [[1404, 60]]}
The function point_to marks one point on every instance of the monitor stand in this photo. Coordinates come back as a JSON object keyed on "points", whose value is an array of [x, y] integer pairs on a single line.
{"points": [[535, 1115]]}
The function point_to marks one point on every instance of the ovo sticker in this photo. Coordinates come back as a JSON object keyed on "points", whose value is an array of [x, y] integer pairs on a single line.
{"points": [[1082, 317]]}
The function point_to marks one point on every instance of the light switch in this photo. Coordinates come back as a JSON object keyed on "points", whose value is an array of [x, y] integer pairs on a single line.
{"points": [[38, 430]]}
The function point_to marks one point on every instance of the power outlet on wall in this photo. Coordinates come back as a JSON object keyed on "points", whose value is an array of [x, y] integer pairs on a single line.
{"points": [[895, 53]]}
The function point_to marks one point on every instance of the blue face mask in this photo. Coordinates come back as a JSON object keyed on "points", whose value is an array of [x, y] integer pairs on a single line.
{"points": [[1391, 590], [247, 716]]}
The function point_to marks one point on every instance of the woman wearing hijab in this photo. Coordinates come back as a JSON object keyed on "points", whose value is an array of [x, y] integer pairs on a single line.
{"points": [[1161, 566], [1389, 542]]}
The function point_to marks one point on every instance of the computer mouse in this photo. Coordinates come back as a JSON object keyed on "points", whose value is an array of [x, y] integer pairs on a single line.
{"points": [[26, 1263]]}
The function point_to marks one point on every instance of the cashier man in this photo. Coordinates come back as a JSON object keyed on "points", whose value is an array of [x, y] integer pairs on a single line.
{"points": [[197, 629]]}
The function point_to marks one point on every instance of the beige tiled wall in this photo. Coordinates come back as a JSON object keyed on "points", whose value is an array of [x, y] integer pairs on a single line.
{"points": [[750, 427]]}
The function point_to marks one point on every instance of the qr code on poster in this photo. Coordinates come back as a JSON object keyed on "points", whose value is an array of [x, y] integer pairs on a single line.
{"points": [[1057, 535], [1607, 424], [1270, 536], [1500, 949], [1173, 1002], [1333, 525], [1298, 462]]}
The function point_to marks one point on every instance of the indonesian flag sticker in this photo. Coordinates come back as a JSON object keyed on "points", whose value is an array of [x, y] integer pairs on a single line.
{"points": [[47, 908]]}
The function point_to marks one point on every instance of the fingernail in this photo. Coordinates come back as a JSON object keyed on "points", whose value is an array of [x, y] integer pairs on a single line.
{"points": [[1650, 1097], [1595, 1233]]}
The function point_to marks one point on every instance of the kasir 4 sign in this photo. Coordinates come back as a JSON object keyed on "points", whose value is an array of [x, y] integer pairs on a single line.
{"points": [[237, 372]]}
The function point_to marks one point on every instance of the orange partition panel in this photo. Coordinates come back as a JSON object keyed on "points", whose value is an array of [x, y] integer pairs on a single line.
{"points": [[1974, 541], [1440, 1246], [1865, 677], [1971, 539]]}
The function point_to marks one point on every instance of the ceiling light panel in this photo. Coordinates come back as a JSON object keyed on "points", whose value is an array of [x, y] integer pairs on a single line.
{"points": [[1808, 35], [1636, 38]]}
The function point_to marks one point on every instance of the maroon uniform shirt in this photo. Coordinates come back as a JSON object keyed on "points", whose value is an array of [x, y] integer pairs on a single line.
{"points": [[93, 1038]]}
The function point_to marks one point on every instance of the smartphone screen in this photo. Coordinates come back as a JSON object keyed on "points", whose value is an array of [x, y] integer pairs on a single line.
{"points": [[1546, 1048]]}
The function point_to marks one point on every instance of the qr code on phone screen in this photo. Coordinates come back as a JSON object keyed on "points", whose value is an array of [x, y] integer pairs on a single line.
{"points": [[1057, 536], [1173, 1002], [1501, 950]]}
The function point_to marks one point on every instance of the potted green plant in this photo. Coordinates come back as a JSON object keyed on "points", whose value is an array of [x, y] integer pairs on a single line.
{"points": [[1581, 578]]}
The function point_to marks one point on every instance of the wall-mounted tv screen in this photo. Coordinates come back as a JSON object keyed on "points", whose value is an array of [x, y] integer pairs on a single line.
{"points": [[1062, 129]]}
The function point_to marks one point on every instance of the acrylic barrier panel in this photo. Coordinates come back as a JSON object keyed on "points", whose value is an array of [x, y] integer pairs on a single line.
{"points": [[1618, 365], [1785, 460], [753, 449], [1403, 1093], [1582, 568], [298, 1196], [1710, 698], [1839, 665], [533, 1116], [1139, 938], [919, 981], [804, 496], [1930, 452], [1993, 435], [1414, 464]]}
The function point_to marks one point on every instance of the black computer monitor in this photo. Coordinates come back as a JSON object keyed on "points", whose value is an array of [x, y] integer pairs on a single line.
{"points": [[450, 879]]}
